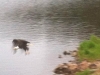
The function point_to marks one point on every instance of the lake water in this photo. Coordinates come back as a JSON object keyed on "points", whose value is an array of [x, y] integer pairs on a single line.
{"points": [[51, 29]]}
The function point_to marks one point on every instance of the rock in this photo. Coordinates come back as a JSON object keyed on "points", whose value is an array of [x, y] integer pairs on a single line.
{"points": [[66, 69], [93, 66], [73, 67], [84, 65], [59, 56], [74, 53], [97, 63], [61, 70], [66, 53]]}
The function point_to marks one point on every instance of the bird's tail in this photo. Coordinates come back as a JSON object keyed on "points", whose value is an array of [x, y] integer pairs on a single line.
{"points": [[29, 44]]}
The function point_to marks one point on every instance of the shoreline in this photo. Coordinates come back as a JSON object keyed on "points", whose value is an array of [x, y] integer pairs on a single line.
{"points": [[76, 66]]}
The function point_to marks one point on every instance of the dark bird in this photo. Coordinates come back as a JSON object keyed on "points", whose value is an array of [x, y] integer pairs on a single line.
{"points": [[21, 44]]}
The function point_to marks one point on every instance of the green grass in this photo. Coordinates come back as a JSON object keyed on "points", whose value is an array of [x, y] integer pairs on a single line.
{"points": [[86, 72], [90, 49]]}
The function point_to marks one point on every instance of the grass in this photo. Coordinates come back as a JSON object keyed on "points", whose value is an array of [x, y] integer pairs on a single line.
{"points": [[86, 72], [90, 49]]}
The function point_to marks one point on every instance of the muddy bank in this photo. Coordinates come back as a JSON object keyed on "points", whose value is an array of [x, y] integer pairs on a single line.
{"points": [[72, 67]]}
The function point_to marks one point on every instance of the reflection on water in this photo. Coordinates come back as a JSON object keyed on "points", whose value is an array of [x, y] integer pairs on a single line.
{"points": [[51, 33]]}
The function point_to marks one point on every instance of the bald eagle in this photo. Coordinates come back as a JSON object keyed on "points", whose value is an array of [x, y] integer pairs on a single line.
{"points": [[21, 44]]}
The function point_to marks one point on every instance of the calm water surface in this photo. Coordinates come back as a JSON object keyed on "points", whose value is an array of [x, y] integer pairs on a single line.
{"points": [[51, 33]]}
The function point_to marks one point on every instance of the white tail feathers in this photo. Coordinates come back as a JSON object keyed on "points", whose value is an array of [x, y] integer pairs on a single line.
{"points": [[29, 44]]}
